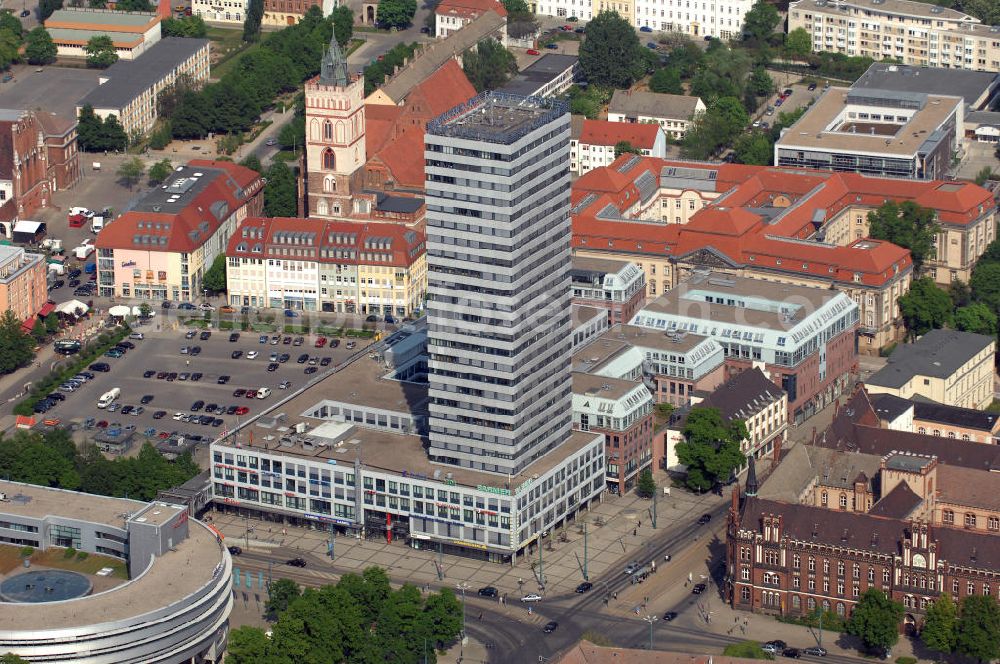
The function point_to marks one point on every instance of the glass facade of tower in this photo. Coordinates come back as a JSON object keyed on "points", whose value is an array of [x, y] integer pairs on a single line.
{"points": [[498, 260]]}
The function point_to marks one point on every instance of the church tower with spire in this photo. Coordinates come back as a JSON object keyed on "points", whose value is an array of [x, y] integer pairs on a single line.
{"points": [[335, 136]]}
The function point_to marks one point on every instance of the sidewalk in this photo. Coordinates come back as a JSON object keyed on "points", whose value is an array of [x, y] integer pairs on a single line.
{"points": [[617, 529]]}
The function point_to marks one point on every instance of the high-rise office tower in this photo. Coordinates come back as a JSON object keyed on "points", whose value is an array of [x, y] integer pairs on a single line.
{"points": [[498, 260]]}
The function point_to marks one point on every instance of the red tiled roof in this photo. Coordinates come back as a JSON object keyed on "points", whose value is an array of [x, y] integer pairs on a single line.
{"points": [[395, 244], [404, 157], [231, 185], [446, 88], [469, 8], [801, 201], [380, 124], [601, 132], [46, 309]]}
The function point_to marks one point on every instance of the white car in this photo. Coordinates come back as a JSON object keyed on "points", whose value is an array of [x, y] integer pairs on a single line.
{"points": [[285, 384], [251, 354], [179, 416], [532, 598], [205, 306]]}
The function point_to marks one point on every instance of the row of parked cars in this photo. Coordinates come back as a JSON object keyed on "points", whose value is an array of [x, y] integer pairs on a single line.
{"points": [[779, 647]]}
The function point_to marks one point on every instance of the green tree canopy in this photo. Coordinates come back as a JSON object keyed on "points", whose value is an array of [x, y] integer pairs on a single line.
{"points": [[925, 307], [711, 448], [978, 632], [666, 80], [978, 318], [395, 13], [11, 658], [798, 43], [39, 48], [610, 55], [46, 7], [625, 147], [281, 593], [252, 20], [724, 120], [16, 347], [985, 283], [280, 192], [100, 52], [521, 20], [489, 66], [10, 22], [247, 645], [960, 293], [754, 148], [759, 23], [160, 171], [987, 11], [215, 277], [721, 73], [131, 171], [252, 162], [184, 26], [646, 486], [875, 619], [938, 632], [588, 101], [907, 224], [343, 24]]}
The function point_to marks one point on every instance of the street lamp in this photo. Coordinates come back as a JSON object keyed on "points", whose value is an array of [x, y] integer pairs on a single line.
{"points": [[463, 586], [650, 619]]}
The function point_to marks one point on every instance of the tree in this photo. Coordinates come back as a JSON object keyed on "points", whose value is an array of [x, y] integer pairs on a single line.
{"points": [[521, 20], [215, 277], [489, 66], [280, 196], [10, 46], [39, 48], [100, 52], [160, 171], [875, 619], [610, 55], [46, 7], [624, 147], [247, 645], [907, 224], [10, 22], [395, 13], [131, 171], [343, 24], [798, 43], [11, 658], [977, 634], [52, 323], [252, 20], [112, 134], [987, 11], [925, 307], [666, 80], [724, 120], [985, 283], [16, 347], [711, 447], [978, 318], [134, 6], [38, 331], [984, 174], [588, 101], [252, 162], [760, 82], [754, 148], [759, 23], [646, 485], [939, 626], [184, 26], [281, 594]]}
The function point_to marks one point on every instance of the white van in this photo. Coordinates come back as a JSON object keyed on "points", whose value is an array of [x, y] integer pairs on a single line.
{"points": [[109, 397], [263, 392]]}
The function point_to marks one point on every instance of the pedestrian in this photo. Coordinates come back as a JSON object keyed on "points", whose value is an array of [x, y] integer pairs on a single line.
{"points": [[635, 531], [480, 615], [615, 594], [640, 524]]}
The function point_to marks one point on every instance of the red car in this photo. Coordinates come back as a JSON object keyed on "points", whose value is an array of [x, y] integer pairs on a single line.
{"points": [[533, 51], [320, 342], [568, 28], [251, 394], [77, 220], [242, 410]]}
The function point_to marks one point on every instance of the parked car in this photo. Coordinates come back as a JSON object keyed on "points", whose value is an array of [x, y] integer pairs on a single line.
{"points": [[297, 562], [793, 653], [532, 597], [533, 51], [669, 616], [234, 337], [235, 550], [584, 587], [488, 591], [550, 627], [645, 28], [103, 367], [698, 589], [704, 518], [146, 399], [815, 651], [236, 354], [222, 380]]}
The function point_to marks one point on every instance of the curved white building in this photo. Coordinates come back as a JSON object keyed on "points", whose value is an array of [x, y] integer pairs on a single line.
{"points": [[173, 609]]}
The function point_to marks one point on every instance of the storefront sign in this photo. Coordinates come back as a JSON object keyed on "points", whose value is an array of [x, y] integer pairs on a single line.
{"points": [[128, 263], [493, 489]]}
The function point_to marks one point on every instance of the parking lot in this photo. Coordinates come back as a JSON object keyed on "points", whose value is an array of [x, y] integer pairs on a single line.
{"points": [[160, 352]]}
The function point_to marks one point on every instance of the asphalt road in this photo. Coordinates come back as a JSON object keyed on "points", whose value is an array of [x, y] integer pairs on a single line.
{"points": [[510, 641]]}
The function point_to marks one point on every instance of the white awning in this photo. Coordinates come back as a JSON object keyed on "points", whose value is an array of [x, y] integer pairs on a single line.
{"points": [[72, 307], [25, 226], [119, 310]]}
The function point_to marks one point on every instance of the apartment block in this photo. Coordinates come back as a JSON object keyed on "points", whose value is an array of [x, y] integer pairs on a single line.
{"points": [[946, 366], [320, 265], [876, 132], [723, 20], [674, 113], [453, 15], [23, 287], [803, 338], [936, 419], [775, 224], [162, 247], [617, 286], [915, 33], [595, 142]]}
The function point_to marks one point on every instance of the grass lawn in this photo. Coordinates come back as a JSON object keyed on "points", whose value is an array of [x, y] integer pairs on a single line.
{"points": [[11, 559], [228, 44]]}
